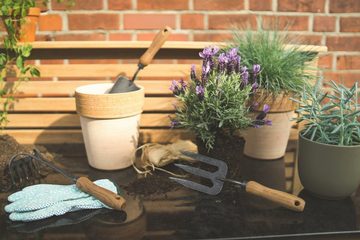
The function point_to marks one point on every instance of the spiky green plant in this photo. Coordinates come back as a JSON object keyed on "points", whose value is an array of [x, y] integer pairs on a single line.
{"points": [[330, 117], [283, 68]]}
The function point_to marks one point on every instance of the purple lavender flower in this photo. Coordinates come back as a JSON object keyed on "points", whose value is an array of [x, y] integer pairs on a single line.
{"points": [[174, 123], [266, 108], [208, 52], [268, 122], [205, 72], [222, 61], [178, 87], [193, 72], [233, 53], [200, 91], [256, 69], [245, 77], [254, 86]]}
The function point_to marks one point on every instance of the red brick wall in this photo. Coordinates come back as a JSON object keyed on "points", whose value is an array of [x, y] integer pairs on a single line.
{"points": [[334, 23]]}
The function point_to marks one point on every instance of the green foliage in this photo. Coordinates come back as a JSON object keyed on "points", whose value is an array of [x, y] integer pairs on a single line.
{"points": [[331, 118], [282, 68], [223, 107]]}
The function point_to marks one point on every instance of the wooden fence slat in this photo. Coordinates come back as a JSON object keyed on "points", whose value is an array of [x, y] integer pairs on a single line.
{"points": [[36, 136], [67, 104], [65, 120], [67, 88], [112, 70]]}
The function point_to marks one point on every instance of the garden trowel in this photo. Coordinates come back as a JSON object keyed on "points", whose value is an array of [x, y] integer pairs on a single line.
{"points": [[123, 84], [218, 178]]}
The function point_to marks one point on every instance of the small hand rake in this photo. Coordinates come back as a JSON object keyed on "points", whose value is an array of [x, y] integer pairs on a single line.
{"points": [[218, 178]]}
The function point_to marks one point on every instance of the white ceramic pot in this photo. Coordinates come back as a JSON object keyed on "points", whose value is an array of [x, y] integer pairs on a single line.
{"points": [[110, 124], [269, 142]]}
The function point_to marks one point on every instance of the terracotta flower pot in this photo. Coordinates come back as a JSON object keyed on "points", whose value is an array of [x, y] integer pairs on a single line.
{"points": [[269, 142], [110, 124], [27, 30], [328, 171]]}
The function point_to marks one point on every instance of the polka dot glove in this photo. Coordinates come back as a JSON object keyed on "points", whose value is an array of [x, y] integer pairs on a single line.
{"points": [[46, 200]]}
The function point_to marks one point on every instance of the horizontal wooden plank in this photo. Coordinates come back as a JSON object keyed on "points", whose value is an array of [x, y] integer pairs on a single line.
{"points": [[113, 70], [67, 88], [64, 120], [52, 136], [67, 104], [196, 45]]}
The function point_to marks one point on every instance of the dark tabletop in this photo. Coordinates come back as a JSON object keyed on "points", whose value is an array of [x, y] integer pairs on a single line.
{"points": [[160, 209]]}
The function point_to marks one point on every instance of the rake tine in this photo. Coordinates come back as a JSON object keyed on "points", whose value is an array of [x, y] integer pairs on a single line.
{"points": [[195, 186], [195, 171]]}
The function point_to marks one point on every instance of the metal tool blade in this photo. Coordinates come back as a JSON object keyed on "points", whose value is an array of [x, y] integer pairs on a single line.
{"points": [[214, 190], [214, 177]]}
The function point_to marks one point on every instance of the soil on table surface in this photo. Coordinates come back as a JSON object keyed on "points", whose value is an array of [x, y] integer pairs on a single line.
{"points": [[156, 183]]}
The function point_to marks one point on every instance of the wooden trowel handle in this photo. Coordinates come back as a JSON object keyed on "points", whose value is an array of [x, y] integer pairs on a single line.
{"points": [[156, 44], [284, 199], [105, 196]]}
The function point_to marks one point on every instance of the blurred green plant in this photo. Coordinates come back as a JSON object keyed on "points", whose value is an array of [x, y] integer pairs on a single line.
{"points": [[283, 67], [330, 117]]}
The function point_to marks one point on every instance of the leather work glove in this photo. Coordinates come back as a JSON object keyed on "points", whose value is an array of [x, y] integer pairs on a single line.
{"points": [[45, 200]]}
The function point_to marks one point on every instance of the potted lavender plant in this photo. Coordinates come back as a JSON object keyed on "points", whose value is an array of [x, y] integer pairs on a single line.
{"points": [[329, 144], [215, 104]]}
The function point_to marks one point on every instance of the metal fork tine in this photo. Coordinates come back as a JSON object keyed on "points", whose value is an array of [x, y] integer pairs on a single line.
{"points": [[205, 159], [195, 171], [196, 186]]}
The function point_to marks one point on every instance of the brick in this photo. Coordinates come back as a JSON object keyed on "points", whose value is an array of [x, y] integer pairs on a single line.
{"points": [[350, 24], [291, 23], [344, 6], [192, 21], [306, 39], [80, 37], [231, 20], [120, 4], [79, 5], [120, 37], [348, 62], [264, 5], [219, 5], [94, 21], [148, 21], [325, 61], [50, 22], [324, 24], [172, 37], [301, 6], [40, 4], [162, 5], [346, 78], [348, 43], [212, 37]]}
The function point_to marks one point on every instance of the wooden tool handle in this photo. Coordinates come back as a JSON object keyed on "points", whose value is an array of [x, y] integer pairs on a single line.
{"points": [[286, 200], [156, 44], [105, 196]]}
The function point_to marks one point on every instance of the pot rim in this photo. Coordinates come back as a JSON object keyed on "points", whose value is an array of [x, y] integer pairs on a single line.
{"points": [[325, 144], [77, 90]]}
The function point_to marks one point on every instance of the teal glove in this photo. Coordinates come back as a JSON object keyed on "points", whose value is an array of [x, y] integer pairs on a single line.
{"points": [[45, 200]]}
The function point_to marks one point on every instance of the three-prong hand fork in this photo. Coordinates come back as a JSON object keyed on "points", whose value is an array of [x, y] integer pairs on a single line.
{"points": [[218, 178]]}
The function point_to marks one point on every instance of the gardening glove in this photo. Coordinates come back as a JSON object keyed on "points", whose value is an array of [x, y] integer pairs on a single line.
{"points": [[45, 200]]}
